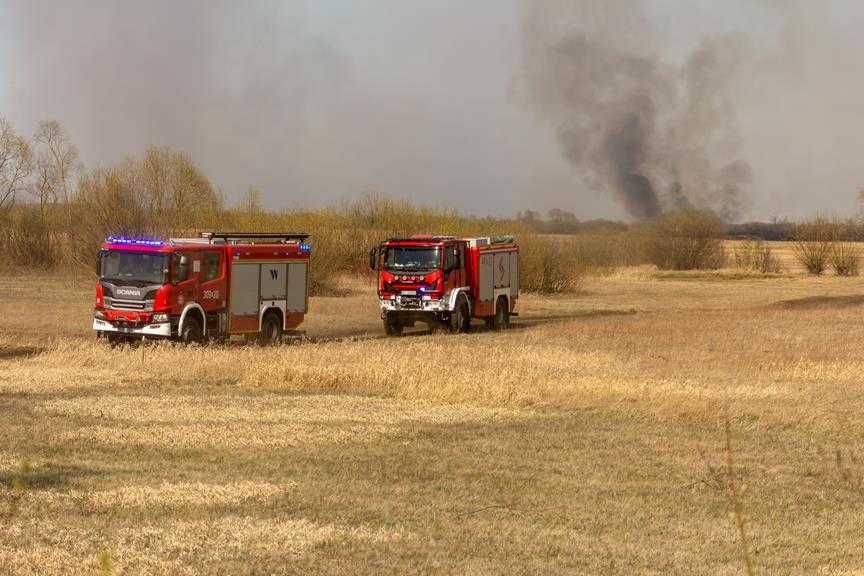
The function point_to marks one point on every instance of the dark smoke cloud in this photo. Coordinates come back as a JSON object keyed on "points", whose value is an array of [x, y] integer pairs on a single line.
{"points": [[654, 134]]}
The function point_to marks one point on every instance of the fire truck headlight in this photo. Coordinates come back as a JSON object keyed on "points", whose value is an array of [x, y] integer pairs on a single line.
{"points": [[160, 318], [99, 314]]}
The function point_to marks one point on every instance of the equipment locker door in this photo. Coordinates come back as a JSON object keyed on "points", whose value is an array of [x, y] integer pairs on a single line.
{"points": [[274, 278], [502, 270], [297, 282], [244, 289], [514, 273], [487, 277]]}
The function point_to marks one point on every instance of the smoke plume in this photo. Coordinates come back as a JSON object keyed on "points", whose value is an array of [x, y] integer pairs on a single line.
{"points": [[656, 135]]}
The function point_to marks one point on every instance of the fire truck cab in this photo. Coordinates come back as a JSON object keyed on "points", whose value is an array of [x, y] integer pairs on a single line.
{"points": [[446, 280], [212, 287]]}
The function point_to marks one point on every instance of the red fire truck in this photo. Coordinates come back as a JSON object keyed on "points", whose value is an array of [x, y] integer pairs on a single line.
{"points": [[443, 279], [192, 289]]}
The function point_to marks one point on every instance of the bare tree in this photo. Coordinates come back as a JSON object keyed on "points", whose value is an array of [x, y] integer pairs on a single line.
{"points": [[172, 187], [56, 159], [16, 165]]}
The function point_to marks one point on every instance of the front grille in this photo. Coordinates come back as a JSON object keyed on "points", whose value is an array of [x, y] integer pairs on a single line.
{"points": [[410, 303], [118, 304]]}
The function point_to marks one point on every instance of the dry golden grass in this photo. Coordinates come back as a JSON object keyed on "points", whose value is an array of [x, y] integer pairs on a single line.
{"points": [[578, 442]]}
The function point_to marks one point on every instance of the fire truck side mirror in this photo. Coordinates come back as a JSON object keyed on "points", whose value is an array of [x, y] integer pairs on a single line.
{"points": [[373, 259]]}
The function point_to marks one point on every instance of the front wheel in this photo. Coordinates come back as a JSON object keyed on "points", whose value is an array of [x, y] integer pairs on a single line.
{"points": [[392, 326], [460, 318], [271, 330], [192, 332]]}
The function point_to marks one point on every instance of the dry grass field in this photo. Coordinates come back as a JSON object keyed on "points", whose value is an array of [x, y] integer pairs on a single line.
{"points": [[589, 439]]}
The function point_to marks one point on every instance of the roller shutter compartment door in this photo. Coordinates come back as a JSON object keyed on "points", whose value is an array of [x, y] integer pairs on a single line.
{"points": [[273, 281], [487, 277], [514, 273], [244, 289], [502, 270], [297, 283]]}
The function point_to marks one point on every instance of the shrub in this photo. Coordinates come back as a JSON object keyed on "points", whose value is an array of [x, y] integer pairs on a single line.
{"points": [[549, 265], [605, 252], [845, 259], [686, 240], [756, 255], [25, 238], [814, 244]]}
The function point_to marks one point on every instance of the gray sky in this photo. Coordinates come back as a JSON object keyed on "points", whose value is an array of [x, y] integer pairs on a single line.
{"points": [[320, 100]]}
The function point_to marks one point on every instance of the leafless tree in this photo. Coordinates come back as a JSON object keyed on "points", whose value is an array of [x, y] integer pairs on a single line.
{"points": [[172, 187], [55, 165], [16, 165]]}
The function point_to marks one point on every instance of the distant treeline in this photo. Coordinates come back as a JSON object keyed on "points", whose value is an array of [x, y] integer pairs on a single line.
{"points": [[779, 231], [557, 221]]}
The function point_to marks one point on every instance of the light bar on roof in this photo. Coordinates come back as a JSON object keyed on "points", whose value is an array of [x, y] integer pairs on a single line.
{"points": [[134, 241]]}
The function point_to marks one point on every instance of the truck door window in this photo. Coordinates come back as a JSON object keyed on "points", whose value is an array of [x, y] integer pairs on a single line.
{"points": [[212, 260], [179, 267], [451, 258]]}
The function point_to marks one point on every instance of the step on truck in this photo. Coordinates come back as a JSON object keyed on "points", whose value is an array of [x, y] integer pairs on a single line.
{"points": [[207, 288], [446, 280]]}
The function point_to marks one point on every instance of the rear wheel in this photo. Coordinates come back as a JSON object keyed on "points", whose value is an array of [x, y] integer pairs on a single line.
{"points": [[192, 331], [501, 319], [392, 326], [460, 318], [271, 330]]}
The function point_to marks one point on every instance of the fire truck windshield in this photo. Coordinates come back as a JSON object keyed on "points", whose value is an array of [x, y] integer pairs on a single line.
{"points": [[145, 268], [412, 258]]}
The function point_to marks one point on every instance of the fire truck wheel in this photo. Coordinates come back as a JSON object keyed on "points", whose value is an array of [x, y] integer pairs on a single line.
{"points": [[460, 319], [271, 330], [191, 331], [502, 314], [392, 326]]}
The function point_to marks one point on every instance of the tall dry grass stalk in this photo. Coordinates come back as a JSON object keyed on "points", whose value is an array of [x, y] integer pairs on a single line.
{"points": [[725, 480]]}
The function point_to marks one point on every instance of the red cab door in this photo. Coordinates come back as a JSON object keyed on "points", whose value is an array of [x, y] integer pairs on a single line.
{"points": [[212, 281]]}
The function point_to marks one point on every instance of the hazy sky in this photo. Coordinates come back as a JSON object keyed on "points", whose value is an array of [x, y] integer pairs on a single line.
{"points": [[320, 100]]}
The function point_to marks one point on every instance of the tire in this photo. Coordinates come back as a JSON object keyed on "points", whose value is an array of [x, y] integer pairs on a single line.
{"points": [[192, 332], [271, 330], [460, 318], [392, 327], [501, 320]]}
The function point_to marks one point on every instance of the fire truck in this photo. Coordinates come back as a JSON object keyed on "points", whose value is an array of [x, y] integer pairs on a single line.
{"points": [[205, 288], [446, 280]]}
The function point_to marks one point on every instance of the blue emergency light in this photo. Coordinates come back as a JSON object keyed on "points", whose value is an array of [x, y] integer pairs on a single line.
{"points": [[134, 241], [305, 247]]}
